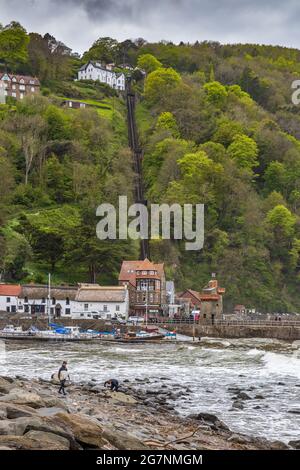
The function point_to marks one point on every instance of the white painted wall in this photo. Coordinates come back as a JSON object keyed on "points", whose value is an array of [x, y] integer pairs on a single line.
{"points": [[4, 304], [104, 76]]}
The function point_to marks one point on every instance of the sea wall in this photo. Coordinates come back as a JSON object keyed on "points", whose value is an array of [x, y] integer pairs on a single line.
{"points": [[239, 331]]}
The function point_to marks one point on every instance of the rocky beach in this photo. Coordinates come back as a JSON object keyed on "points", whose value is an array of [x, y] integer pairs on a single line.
{"points": [[34, 416]]}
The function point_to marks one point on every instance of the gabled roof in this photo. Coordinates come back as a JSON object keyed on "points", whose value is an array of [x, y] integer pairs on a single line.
{"points": [[96, 293], [129, 268], [10, 290], [27, 79]]}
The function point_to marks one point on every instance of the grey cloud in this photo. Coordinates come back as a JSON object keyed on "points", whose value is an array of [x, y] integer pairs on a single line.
{"points": [[80, 22]]}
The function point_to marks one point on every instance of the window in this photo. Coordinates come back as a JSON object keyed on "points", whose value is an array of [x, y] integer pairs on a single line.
{"points": [[8, 300], [105, 308], [43, 300], [53, 301], [86, 307], [8, 309], [82, 314], [117, 308], [67, 301], [22, 87], [32, 89], [52, 311], [26, 300], [14, 87], [14, 95], [67, 311], [26, 308]]}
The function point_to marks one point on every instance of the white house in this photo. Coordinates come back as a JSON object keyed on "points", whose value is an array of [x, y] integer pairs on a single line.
{"points": [[82, 301], [96, 71], [94, 301], [9, 298]]}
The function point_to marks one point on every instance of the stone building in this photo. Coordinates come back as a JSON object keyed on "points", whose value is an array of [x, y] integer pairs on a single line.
{"points": [[209, 302]]}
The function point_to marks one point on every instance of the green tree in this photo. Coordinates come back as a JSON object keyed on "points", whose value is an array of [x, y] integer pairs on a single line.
{"points": [[148, 62], [159, 82], [216, 93], [166, 121], [244, 151], [13, 44]]}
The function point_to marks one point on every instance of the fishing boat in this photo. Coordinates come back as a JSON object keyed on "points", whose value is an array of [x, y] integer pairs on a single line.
{"points": [[170, 335]]}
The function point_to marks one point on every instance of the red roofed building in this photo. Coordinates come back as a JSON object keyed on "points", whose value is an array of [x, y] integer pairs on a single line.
{"points": [[146, 282], [209, 301], [9, 297]]}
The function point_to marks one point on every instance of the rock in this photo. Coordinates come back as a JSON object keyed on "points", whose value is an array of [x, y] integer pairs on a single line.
{"points": [[295, 444], [22, 397], [278, 445], [259, 397], [294, 411], [238, 405], [243, 396], [86, 431], [257, 407], [123, 441], [50, 402], [16, 411], [3, 414], [210, 419], [48, 439], [280, 383], [239, 439], [52, 411], [26, 443], [5, 385]]}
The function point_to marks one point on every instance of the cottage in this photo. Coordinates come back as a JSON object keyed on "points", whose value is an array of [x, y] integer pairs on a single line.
{"points": [[94, 301], [19, 86], [146, 283], [9, 298], [96, 71], [34, 299]]}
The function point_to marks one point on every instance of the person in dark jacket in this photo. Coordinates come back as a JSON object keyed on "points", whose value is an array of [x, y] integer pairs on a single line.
{"points": [[113, 384], [63, 375]]}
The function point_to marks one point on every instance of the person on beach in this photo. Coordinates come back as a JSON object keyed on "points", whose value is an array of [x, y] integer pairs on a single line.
{"points": [[63, 375], [113, 384]]}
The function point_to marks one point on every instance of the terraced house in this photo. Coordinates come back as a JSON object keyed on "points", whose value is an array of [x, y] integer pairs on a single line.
{"points": [[18, 86]]}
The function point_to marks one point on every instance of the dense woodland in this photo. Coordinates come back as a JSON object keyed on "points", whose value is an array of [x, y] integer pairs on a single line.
{"points": [[217, 126]]}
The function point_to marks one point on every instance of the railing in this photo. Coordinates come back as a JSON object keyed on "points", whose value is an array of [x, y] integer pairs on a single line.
{"points": [[217, 322]]}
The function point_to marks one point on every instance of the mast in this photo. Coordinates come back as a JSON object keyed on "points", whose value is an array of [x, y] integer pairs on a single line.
{"points": [[49, 298]]}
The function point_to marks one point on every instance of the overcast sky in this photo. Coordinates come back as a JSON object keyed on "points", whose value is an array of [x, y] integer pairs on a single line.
{"points": [[79, 22]]}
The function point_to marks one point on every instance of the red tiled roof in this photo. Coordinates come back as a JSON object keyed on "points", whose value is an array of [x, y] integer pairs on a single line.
{"points": [[10, 289], [200, 297], [129, 268]]}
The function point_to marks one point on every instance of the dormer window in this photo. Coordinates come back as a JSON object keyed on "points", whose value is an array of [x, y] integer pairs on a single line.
{"points": [[14, 79], [22, 81]]}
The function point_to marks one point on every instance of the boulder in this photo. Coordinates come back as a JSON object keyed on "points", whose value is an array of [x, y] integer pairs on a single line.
{"points": [[5, 385], [86, 431], [22, 397], [239, 439], [211, 420], [243, 396], [238, 405], [123, 441], [16, 411], [27, 443], [3, 414], [48, 439], [295, 444]]}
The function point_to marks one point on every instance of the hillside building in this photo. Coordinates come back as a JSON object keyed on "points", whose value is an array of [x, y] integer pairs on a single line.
{"points": [[104, 74], [18, 86]]}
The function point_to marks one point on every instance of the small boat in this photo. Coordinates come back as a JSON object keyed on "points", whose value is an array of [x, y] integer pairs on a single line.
{"points": [[139, 337], [170, 335]]}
